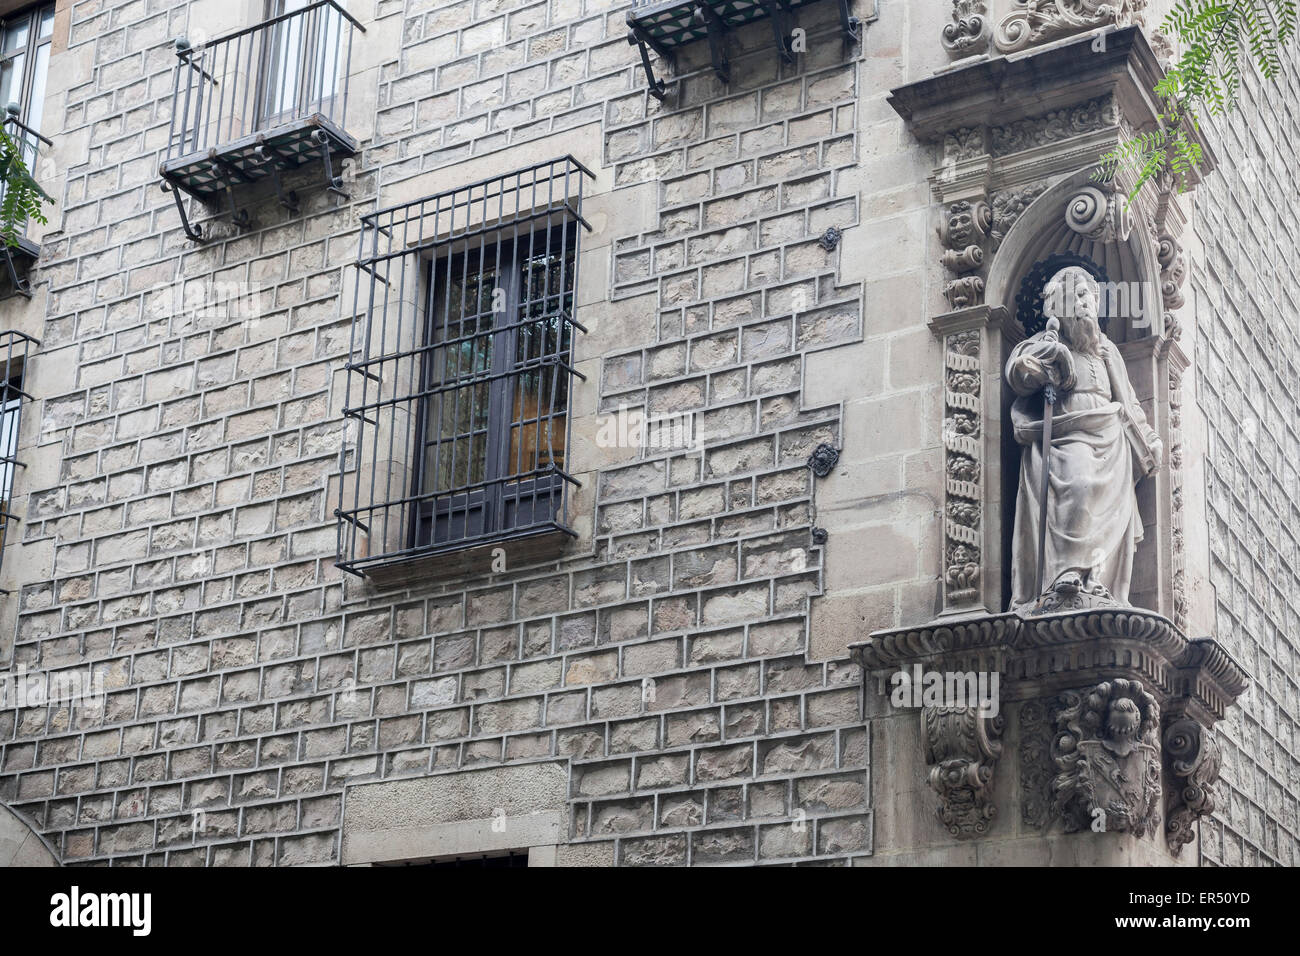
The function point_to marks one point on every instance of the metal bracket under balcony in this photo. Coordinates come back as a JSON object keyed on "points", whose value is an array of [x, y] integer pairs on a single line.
{"points": [[18, 262], [208, 174], [665, 25]]}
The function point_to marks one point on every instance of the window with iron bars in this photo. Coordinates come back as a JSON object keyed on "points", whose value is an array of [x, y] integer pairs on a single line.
{"points": [[461, 367], [14, 349]]}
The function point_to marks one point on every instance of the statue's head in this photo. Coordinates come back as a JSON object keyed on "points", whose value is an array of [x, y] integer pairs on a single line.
{"points": [[1073, 298]]}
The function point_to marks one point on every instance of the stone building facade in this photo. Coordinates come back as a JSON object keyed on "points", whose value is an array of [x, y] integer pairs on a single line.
{"points": [[805, 249]]}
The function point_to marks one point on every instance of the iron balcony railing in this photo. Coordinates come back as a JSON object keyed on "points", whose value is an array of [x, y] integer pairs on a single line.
{"points": [[460, 368], [291, 68]]}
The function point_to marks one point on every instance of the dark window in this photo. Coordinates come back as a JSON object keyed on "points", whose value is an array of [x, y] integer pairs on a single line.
{"points": [[461, 368], [494, 421], [24, 61]]}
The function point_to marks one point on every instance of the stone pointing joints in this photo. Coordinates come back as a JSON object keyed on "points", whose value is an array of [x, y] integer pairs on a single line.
{"points": [[1101, 445]]}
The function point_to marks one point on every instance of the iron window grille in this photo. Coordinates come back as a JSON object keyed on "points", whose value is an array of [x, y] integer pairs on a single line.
{"points": [[665, 25], [14, 349], [19, 256], [460, 368], [259, 101]]}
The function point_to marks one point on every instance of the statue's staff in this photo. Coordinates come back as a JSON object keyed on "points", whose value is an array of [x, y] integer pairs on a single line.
{"points": [[1049, 402]]}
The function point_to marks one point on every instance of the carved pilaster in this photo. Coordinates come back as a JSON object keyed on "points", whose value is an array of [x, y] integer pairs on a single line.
{"points": [[964, 466], [961, 749], [1193, 758], [1178, 557], [968, 34]]}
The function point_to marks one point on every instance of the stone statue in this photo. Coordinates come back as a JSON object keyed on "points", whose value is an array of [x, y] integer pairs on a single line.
{"points": [[1101, 445]]}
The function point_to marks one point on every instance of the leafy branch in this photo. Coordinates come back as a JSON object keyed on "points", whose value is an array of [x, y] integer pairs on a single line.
{"points": [[21, 197], [1218, 37]]}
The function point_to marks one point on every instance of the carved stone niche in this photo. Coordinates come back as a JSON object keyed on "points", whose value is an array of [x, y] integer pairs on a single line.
{"points": [[1107, 715], [1016, 142]]}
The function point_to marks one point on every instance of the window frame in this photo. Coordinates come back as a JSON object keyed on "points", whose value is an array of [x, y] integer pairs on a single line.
{"points": [[504, 501], [30, 51]]}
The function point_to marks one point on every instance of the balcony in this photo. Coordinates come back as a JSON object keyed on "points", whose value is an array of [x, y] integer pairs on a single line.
{"points": [[20, 256], [257, 103], [665, 25]]}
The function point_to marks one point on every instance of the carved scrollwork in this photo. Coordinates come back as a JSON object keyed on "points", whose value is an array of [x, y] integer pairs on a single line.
{"points": [[968, 34], [1099, 214], [1041, 21], [1035, 762], [1107, 757], [1173, 271], [961, 749], [1194, 762]]}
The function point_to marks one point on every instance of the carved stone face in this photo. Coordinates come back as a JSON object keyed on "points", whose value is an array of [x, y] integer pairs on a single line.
{"points": [[961, 224]]}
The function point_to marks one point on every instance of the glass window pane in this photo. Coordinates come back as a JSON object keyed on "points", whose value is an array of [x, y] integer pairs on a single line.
{"points": [[36, 102], [11, 79], [458, 418], [15, 34], [47, 22], [541, 394]]}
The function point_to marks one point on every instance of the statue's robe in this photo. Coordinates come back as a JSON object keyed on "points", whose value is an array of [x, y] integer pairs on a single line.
{"points": [[1101, 446]]}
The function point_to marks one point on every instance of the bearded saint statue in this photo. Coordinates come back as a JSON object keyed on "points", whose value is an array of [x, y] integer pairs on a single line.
{"points": [[1101, 446]]}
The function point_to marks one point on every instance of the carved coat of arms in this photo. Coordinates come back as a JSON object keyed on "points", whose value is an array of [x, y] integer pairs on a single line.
{"points": [[1107, 757]]}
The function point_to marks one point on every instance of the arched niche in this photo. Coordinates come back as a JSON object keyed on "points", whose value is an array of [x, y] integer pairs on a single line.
{"points": [[1135, 310]]}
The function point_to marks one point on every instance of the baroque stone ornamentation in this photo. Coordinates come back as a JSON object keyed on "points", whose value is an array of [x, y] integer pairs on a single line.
{"points": [[1040, 21], [1007, 207], [1100, 113], [1036, 725], [1107, 758], [962, 144], [829, 239], [961, 749], [1099, 214], [968, 34], [964, 229], [1173, 271], [1176, 496], [964, 459], [1194, 761]]}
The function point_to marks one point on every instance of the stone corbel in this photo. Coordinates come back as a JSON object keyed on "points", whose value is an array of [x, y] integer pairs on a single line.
{"points": [[1093, 686], [961, 750], [1193, 759]]}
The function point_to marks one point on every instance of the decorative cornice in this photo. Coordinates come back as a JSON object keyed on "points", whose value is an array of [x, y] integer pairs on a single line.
{"points": [[1044, 654]]}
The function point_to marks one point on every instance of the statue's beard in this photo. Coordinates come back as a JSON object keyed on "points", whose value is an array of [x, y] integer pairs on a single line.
{"points": [[1084, 334]]}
